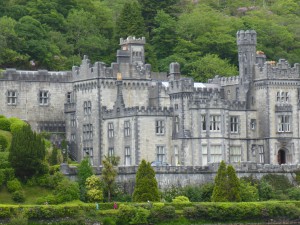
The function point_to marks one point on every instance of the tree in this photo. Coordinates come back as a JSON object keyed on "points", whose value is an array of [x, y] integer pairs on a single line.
{"points": [[84, 171], [233, 185], [151, 7], [27, 153], [146, 188], [109, 174], [227, 185], [94, 189], [164, 35], [130, 22], [220, 189]]}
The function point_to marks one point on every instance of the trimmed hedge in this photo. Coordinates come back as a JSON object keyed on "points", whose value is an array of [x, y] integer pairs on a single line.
{"points": [[205, 212], [3, 143], [245, 211], [5, 124]]}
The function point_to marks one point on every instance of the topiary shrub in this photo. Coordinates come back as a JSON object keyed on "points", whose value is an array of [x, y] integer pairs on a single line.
{"points": [[18, 196], [3, 143], [180, 199], [5, 124], [14, 185]]}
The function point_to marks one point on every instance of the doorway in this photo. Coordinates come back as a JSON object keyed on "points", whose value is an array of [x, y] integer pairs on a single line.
{"points": [[281, 157]]}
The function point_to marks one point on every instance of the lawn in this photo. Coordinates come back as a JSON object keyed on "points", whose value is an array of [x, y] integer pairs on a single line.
{"points": [[31, 195]]}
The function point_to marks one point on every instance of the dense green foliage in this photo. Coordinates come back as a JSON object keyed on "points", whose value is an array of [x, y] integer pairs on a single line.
{"points": [[146, 188], [27, 153], [200, 35], [3, 143], [227, 185], [109, 174], [84, 171]]}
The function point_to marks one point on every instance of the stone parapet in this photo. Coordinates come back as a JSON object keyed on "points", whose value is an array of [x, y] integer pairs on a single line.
{"points": [[39, 75]]}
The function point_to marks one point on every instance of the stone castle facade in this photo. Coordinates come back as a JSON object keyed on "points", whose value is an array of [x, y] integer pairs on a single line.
{"points": [[129, 111]]}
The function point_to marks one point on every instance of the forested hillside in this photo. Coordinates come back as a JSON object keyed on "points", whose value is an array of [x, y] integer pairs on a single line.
{"points": [[199, 34]]}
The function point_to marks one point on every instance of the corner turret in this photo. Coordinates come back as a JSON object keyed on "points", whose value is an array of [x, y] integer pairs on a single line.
{"points": [[132, 50], [174, 73]]}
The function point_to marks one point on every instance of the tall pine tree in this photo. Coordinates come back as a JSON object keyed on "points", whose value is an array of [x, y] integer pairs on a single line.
{"points": [[146, 188], [130, 22], [233, 185], [27, 153], [220, 188], [227, 185]]}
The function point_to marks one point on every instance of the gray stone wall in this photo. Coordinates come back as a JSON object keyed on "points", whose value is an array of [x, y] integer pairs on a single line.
{"points": [[182, 176]]}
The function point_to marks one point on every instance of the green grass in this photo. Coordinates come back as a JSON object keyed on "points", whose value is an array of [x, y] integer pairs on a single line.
{"points": [[31, 195], [8, 137]]}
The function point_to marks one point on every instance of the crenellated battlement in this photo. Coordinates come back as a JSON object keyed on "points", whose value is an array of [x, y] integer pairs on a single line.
{"points": [[247, 37], [39, 75], [137, 111], [87, 70], [182, 85], [133, 40], [224, 81], [282, 70], [236, 105]]}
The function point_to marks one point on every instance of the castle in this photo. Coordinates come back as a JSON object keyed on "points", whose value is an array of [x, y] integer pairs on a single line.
{"points": [[128, 111]]}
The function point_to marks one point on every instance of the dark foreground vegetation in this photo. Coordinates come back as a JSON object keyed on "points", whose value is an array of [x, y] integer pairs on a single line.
{"points": [[153, 213]]}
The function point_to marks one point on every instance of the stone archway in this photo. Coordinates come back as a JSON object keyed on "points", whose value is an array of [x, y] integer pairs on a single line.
{"points": [[281, 156]]}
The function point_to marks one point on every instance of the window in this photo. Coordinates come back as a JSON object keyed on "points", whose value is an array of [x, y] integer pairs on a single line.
{"points": [[204, 155], [176, 123], [283, 97], [237, 93], [215, 122], [73, 137], [228, 94], [261, 154], [235, 154], [253, 124], [203, 122], [234, 124], [160, 127], [73, 120], [176, 155], [69, 97], [11, 97], [284, 123], [127, 128], [176, 106], [87, 108], [215, 153], [160, 151], [44, 97], [88, 152], [111, 152], [110, 130], [87, 131], [127, 156]]}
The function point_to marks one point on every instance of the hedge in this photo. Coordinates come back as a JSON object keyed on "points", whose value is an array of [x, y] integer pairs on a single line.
{"points": [[205, 212], [5, 124]]}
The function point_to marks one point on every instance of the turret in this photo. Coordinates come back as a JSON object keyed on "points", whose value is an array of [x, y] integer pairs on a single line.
{"points": [[174, 73], [246, 42], [132, 51]]}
